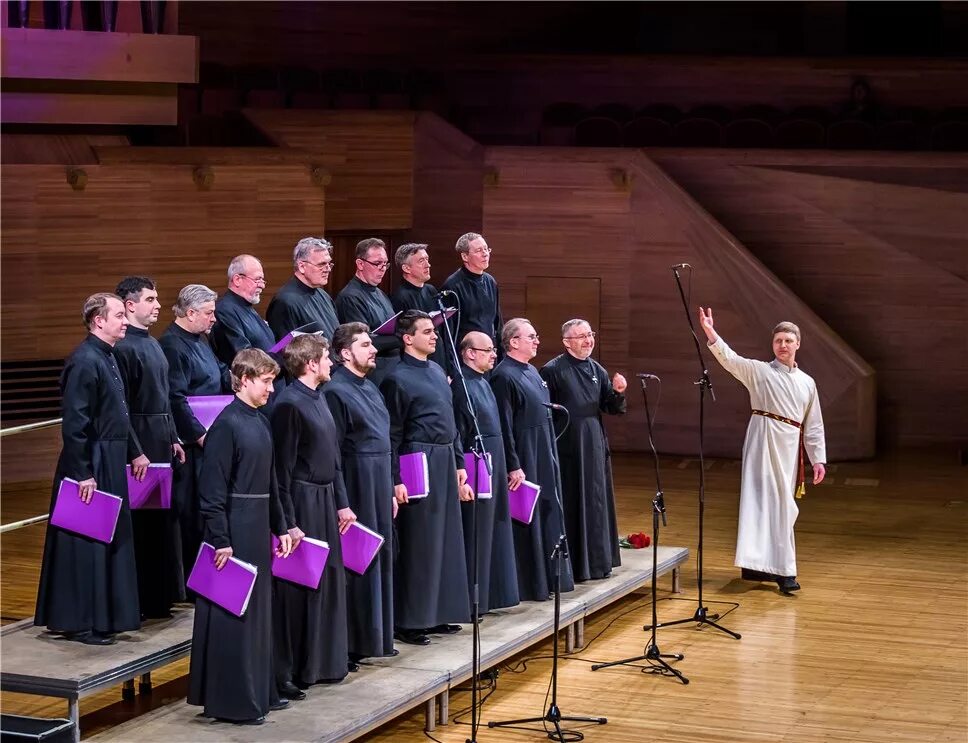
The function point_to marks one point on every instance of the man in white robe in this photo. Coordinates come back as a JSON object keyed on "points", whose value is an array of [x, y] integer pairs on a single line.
{"points": [[786, 421]]}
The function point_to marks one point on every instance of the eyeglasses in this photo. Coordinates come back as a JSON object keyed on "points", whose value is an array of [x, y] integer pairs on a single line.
{"points": [[582, 337], [376, 264], [253, 279], [480, 251], [321, 266], [531, 337], [484, 350]]}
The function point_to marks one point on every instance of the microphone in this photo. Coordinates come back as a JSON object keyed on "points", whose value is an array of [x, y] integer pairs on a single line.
{"points": [[681, 265], [555, 406], [445, 292], [648, 376]]}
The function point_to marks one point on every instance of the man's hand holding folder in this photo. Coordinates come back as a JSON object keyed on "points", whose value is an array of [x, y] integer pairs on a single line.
{"points": [[222, 557], [346, 517], [86, 488]]}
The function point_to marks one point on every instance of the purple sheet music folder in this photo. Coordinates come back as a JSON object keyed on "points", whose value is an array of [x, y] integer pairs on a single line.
{"points": [[96, 519], [477, 475], [207, 407], [387, 328], [414, 474], [360, 545], [523, 501], [439, 318], [152, 492], [307, 329], [230, 587], [304, 565]]}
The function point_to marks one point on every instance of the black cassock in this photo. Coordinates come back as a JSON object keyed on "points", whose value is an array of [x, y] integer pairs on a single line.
{"points": [[231, 672], [86, 585], [496, 573], [297, 304], [480, 308], [157, 538], [309, 626], [363, 436], [360, 302], [239, 326], [430, 579], [584, 388], [192, 370], [411, 297], [529, 445]]}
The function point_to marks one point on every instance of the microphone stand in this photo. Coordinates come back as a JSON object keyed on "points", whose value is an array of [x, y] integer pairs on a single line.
{"points": [[558, 555], [701, 616], [480, 455], [652, 654]]}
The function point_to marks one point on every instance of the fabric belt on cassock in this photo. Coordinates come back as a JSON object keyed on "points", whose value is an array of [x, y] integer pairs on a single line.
{"points": [[801, 481], [250, 495]]}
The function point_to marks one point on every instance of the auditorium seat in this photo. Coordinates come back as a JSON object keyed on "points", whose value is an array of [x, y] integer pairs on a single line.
{"points": [[558, 124], [345, 88], [617, 112], [897, 135], [647, 131], [259, 86], [662, 111], [597, 131], [748, 133], [386, 89], [850, 134], [797, 133], [950, 136], [697, 132]]}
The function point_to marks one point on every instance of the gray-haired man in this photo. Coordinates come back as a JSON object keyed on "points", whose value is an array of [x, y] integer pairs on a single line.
{"points": [[302, 299]]}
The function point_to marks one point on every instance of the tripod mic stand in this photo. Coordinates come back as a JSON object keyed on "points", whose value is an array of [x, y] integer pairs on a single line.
{"points": [[652, 654], [479, 455], [701, 616], [558, 554]]}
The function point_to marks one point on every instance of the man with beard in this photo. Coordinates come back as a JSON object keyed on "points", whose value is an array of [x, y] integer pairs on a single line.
{"points": [[309, 625], [144, 370], [497, 578], [430, 587], [477, 292], [361, 300], [529, 448], [581, 385], [363, 436], [89, 590], [231, 673], [193, 371], [415, 292], [302, 299]]}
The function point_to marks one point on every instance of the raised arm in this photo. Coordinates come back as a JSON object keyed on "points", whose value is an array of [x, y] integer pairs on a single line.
{"points": [[741, 368]]}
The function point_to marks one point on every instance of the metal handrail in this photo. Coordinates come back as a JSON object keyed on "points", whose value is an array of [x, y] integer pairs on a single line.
{"points": [[23, 429], [30, 427]]}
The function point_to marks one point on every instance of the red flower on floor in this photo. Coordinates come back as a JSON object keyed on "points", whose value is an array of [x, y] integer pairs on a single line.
{"points": [[639, 541]]}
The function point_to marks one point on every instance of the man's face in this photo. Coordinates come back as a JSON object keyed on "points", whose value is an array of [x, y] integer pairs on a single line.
{"points": [[785, 347], [256, 390], [321, 368], [418, 267], [424, 338], [361, 355], [579, 341], [202, 319], [114, 324], [372, 268], [478, 256], [527, 341], [144, 311], [481, 356], [250, 283], [315, 270]]}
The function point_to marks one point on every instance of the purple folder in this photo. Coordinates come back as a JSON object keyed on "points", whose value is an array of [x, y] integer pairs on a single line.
{"points": [[207, 407], [387, 328], [152, 492], [414, 474], [311, 328], [523, 501], [477, 475], [439, 318], [305, 563], [231, 587], [360, 545], [96, 519]]}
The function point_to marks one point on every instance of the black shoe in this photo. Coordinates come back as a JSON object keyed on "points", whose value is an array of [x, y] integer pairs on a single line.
{"points": [[445, 629], [788, 584], [94, 638], [412, 636], [281, 704], [356, 657], [393, 653], [352, 667], [254, 721], [756, 575], [289, 690]]}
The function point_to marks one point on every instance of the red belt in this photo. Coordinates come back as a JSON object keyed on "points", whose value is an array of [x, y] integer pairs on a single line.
{"points": [[801, 480]]}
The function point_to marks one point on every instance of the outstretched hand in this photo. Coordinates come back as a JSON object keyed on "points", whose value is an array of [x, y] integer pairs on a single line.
{"points": [[706, 323]]}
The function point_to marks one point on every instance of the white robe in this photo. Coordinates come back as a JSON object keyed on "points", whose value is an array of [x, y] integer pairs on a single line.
{"points": [[767, 507]]}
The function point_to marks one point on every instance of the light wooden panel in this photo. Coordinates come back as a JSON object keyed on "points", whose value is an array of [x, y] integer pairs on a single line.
{"points": [[61, 107], [370, 156], [59, 245], [876, 244], [551, 301]]}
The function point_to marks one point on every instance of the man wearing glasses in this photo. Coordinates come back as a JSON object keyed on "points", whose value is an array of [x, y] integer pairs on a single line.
{"points": [[361, 300], [476, 291], [496, 575], [529, 448], [415, 291], [302, 299], [580, 384]]}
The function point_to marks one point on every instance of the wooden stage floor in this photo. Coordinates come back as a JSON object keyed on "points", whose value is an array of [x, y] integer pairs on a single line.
{"points": [[874, 648]]}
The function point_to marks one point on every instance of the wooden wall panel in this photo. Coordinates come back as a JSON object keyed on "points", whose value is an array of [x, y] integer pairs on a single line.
{"points": [[876, 245], [59, 245], [550, 301]]}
